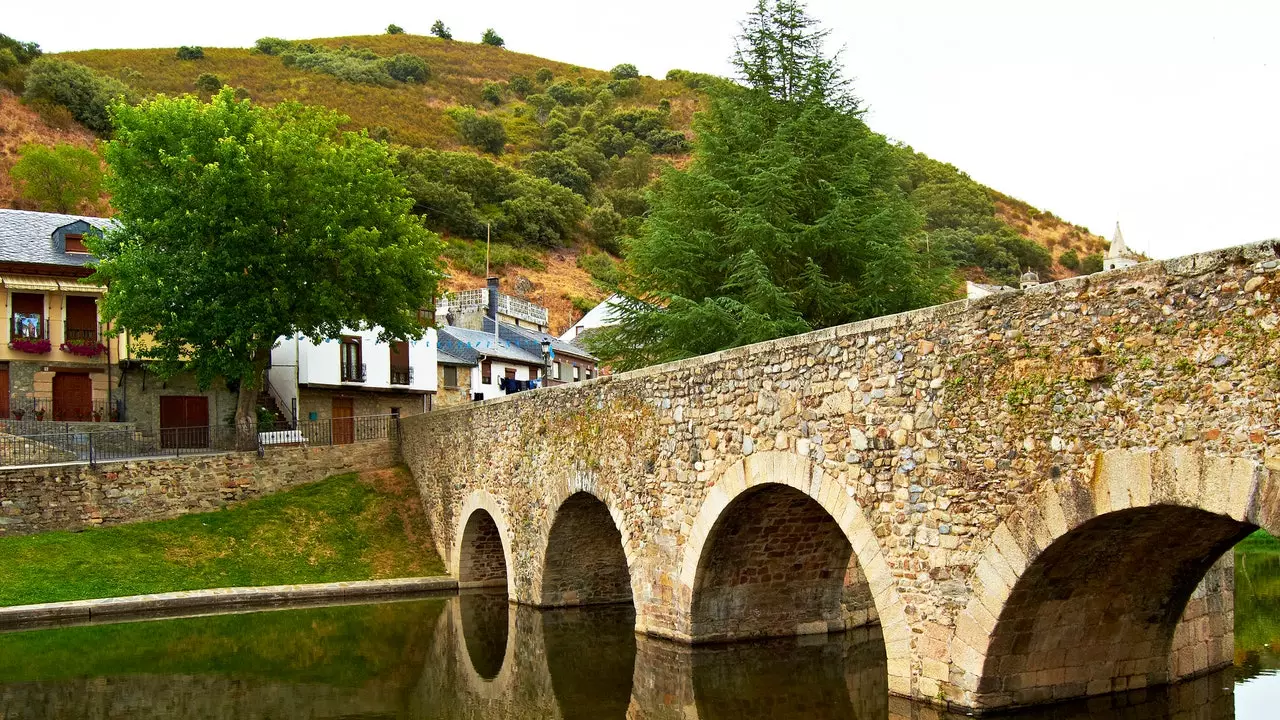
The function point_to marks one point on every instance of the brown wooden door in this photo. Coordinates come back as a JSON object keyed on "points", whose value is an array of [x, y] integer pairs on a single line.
{"points": [[4, 391], [82, 320], [184, 421], [344, 424], [72, 397]]}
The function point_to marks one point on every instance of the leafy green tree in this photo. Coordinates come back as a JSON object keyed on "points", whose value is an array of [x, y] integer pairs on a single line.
{"points": [[605, 225], [789, 219], [481, 131], [491, 93], [394, 29], [492, 38], [624, 71], [7, 60], [187, 52], [271, 45], [1069, 260], [84, 92], [239, 224], [1091, 264], [559, 169], [58, 178], [540, 212], [23, 52], [543, 76], [439, 29], [208, 82]]}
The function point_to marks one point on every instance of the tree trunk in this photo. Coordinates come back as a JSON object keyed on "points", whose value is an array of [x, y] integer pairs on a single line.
{"points": [[247, 401]]}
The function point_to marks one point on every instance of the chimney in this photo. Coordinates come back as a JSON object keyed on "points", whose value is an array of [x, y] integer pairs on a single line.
{"points": [[492, 312]]}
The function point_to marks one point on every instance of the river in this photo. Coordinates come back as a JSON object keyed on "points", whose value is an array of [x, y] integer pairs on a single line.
{"points": [[475, 656]]}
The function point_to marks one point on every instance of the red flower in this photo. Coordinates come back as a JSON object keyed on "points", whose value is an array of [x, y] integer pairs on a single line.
{"points": [[82, 349], [28, 345]]}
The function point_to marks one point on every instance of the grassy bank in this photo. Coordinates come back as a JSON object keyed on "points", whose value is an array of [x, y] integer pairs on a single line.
{"points": [[1259, 542], [346, 527]]}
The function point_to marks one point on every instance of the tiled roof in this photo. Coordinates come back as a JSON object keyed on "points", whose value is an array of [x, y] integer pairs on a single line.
{"points": [[469, 345], [26, 237], [530, 338], [444, 357]]}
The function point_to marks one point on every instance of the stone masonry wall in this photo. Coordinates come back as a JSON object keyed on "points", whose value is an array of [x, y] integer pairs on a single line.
{"points": [[953, 445], [72, 497]]}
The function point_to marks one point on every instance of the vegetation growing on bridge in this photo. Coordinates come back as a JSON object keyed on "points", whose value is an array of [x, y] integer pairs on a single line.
{"points": [[346, 527]]}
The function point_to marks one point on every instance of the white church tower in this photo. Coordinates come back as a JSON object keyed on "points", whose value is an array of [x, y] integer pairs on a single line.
{"points": [[1118, 256]]}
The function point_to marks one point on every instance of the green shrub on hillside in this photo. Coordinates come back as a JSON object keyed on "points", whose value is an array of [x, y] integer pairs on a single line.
{"points": [[271, 45], [480, 131], [59, 178], [602, 268], [543, 76], [407, 68], [86, 93], [439, 30], [605, 226], [1069, 260], [624, 71], [492, 38], [1003, 255], [520, 85], [626, 88], [491, 93], [208, 82], [693, 80], [187, 52], [559, 169], [7, 61], [1090, 264], [394, 29], [23, 52], [542, 212]]}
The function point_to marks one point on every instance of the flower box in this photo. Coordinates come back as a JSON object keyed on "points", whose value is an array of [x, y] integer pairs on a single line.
{"points": [[30, 345], [84, 349]]}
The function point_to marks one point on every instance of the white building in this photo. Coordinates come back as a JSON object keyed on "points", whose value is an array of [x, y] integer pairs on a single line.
{"points": [[354, 375], [602, 315], [1119, 256]]}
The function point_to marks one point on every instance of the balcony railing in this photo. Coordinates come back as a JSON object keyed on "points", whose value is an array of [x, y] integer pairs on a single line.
{"points": [[401, 377], [46, 410], [81, 336], [352, 372]]}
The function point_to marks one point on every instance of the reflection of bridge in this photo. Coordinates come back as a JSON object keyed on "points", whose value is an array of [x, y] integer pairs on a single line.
{"points": [[1028, 492]]}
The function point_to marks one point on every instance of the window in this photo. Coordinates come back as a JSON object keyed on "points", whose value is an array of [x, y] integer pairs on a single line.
{"points": [[400, 363], [82, 320], [75, 243], [576, 371], [395, 412], [450, 376], [28, 317], [352, 360], [510, 373], [555, 371], [590, 372], [486, 372]]}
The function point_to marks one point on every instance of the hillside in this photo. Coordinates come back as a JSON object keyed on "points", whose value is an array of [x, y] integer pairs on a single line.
{"points": [[20, 125], [563, 128]]}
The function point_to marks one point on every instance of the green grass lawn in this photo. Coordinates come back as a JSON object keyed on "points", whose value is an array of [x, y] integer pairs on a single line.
{"points": [[347, 527]]}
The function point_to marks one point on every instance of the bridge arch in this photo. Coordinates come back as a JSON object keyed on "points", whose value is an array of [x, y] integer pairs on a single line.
{"points": [[585, 561], [1081, 592], [482, 545], [792, 490]]}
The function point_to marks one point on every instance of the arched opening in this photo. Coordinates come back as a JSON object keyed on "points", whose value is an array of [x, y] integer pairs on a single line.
{"points": [[485, 627], [585, 564], [776, 564], [1096, 612], [481, 560]]}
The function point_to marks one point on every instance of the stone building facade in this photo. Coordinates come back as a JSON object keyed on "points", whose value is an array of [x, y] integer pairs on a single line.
{"points": [[958, 468]]}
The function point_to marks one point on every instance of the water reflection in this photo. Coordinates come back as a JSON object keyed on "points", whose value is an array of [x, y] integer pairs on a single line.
{"points": [[477, 657]]}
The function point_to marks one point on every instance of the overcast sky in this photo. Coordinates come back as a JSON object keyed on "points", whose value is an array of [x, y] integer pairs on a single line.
{"points": [[1162, 114]]}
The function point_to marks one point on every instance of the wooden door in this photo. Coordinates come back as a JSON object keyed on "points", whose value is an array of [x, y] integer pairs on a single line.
{"points": [[72, 397], [4, 391], [344, 424], [82, 320], [184, 421]]}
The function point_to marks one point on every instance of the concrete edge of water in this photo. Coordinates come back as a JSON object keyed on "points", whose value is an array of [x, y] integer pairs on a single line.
{"points": [[17, 616]]}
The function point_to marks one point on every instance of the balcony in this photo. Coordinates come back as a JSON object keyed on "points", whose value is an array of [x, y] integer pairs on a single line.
{"points": [[352, 372], [84, 342], [29, 333], [401, 377]]}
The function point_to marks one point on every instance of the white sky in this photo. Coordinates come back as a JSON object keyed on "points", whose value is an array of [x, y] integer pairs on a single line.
{"points": [[1163, 114]]}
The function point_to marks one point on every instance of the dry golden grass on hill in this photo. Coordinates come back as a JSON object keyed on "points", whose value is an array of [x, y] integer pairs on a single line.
{"points": [[1048, 230], [19, 125], [415, 114]]}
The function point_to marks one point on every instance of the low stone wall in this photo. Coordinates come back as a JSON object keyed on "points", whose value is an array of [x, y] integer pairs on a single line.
{"points": [[71, 497]]}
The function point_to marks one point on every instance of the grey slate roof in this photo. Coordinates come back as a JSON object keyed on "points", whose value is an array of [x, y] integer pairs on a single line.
{"points": [[469, 345], [444, 357], [530, 338], [27, 237]]}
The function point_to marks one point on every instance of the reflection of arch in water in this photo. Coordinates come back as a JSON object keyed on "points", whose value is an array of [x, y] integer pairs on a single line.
{"points": [[482, 549], [585, 561], [591, 657], [485, 647]]}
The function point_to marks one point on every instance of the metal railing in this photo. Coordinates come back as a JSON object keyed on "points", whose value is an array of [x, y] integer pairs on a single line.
{"points": [[401, 377], [107, 445], [351, 372], [82, 336], [42, 410]]}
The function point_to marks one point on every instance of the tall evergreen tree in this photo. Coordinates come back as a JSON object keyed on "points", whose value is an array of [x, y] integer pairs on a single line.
{"points": [[790, 218]]}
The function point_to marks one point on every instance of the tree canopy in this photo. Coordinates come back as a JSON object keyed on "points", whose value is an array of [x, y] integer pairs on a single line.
{"points": [[239, 224], [57, 178], [790, 218]]}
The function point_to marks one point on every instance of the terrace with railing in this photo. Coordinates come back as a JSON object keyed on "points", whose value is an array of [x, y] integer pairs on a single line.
{"points": [[468, 300]]}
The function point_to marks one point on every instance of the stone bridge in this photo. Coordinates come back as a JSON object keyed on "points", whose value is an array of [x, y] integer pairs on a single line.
{"points": [[1032, 494]]}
